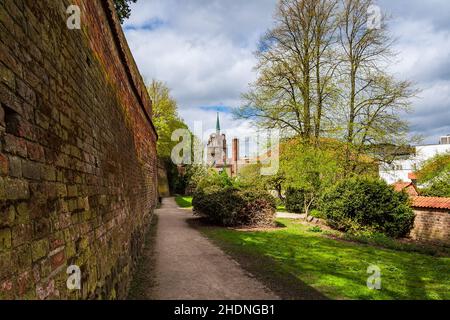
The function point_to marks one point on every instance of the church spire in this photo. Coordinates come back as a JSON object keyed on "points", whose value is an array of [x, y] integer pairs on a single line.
{"points": [[218, 124]]}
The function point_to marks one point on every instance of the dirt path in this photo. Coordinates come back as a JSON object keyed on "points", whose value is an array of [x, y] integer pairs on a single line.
{"points": [[188, 266]]}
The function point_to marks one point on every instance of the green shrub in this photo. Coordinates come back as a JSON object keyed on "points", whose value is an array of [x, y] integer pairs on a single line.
{"points": [[317, 214], [438, 188], [231, 207], [295, 200], [359, 204]]}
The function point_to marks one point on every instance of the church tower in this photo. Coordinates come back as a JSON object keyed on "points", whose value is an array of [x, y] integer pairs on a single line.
{"points": [[217, 147]]}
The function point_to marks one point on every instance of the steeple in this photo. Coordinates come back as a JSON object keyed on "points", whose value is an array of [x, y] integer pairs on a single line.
{"points": [[218, 124]]}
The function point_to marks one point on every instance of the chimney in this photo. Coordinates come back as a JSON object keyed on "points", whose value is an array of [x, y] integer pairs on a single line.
{"points": [[235, 150], [235, 155]]}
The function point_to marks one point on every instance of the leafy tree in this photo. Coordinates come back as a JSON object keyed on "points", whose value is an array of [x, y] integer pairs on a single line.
{"points": [[313, 168], [165, 116], [435, 175], [166, 120], [123, 9]]}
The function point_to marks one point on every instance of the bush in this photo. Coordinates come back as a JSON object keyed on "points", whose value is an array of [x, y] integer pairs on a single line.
{"points": [[231, 207], [295, 200], [365, 204]]}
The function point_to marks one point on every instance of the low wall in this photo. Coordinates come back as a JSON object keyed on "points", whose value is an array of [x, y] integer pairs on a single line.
{"points": [[432, 225]]}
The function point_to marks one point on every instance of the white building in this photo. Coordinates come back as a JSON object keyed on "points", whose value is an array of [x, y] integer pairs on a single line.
{"points": [[399, 170]]}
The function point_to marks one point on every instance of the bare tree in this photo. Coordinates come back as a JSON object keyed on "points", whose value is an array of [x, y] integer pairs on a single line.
{"points": [[372, 99], [322, 73], [291, 89]]}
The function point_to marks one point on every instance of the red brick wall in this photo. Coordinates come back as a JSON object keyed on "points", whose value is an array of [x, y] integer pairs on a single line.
{"points": [[77, 152], [432, 225]]}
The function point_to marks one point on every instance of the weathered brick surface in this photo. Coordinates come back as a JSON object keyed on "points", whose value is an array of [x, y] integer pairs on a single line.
{"points": [[432, 225], [77, 152]]}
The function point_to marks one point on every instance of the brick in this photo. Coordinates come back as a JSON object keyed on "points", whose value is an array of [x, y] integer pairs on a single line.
{"points": [[16, 189], [22, 258], [41, 228], [72, 191], [6, 264], [7, 289], [2, 116], [26, 92], [35, 152], [15, 167], [39, 249], [5, 239], [7, 216], [31, 170], [4, 165], [15, 145], [7, 76], [21, 234], [22, 213], [58, 259]]}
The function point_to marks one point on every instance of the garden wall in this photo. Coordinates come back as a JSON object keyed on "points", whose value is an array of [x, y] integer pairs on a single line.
{"points": [[432, 225], [77, 152]]}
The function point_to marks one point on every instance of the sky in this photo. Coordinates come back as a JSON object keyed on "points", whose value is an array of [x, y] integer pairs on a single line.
{"points": [[204, 51]]}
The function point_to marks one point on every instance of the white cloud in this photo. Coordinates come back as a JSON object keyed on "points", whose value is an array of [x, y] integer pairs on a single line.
{"points": [[203, 49]]}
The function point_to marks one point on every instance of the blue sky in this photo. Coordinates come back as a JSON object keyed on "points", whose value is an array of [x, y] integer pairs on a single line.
{"points": [[203, 49]]}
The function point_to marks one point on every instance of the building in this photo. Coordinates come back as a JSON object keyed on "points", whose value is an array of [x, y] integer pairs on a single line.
{"points": [[217, 153], [402, 169], [217, 147]]}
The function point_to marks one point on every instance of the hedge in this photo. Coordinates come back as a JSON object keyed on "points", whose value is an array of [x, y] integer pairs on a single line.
{"points": [[366, 204], [232, 207]]}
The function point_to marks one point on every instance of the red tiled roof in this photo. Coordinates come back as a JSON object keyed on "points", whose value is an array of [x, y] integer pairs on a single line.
{"points": [[431, 202], [409, 187], [412, 176], [399, 186]]}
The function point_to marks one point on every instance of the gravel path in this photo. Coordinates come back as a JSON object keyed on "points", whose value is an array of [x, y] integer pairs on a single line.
{"points": [[188, 266]]}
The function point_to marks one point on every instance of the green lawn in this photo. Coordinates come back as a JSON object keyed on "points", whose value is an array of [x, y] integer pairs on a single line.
{"points": [[184, 201], [298, 259], [281, 208]]}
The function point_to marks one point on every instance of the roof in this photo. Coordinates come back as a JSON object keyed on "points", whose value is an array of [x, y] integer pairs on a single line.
{"points": [[431, 202], [409, 188], [412, 176], [218, 123]]}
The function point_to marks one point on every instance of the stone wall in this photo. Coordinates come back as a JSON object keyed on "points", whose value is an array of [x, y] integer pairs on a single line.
{"points": [[432, 225], [77, 152]]}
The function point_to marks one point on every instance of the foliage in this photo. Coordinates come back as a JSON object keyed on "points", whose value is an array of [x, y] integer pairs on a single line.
{"points": [[123, 9], [250, 176], [321, 73], [435, 174], [316, 229], [295, 200], [166, 120], [438, 188], [308, 263], [213, 178], [367, 204], [164, 116], [232, 207]]}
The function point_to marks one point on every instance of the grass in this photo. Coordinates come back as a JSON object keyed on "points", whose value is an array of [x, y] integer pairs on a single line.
{"points": [[281, 208], [184, 201], [301, 262]]}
